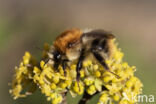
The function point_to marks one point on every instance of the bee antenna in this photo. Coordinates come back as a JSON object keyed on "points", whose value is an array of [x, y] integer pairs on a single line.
{"points": [[37, 47], [114, 74]]}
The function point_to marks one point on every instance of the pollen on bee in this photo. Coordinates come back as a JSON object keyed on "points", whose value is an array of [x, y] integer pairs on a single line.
{"points": [[50, 55]]}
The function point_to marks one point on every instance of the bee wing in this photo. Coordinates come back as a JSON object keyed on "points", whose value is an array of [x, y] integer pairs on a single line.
{"points": [[99, 34]]}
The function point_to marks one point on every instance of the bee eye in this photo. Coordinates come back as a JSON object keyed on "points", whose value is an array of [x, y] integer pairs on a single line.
{"points": [[58, 56], [69, 45], [99, 48]]}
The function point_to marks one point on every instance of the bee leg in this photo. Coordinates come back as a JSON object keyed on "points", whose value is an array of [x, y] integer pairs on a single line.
{"points": [[102, 62], [56, 65], [79, 64], [64, 65], [46, 60], [51, 62]]}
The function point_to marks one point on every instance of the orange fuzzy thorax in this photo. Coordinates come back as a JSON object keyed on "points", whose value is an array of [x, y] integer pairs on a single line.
{"points": [[69, 36]]}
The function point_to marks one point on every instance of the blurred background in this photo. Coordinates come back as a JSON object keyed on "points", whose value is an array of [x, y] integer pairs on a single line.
{"points": [[25, 24]]}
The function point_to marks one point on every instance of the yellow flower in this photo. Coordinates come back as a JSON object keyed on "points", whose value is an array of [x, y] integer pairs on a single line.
{"points": [[23, 76], [87, 63], [95, 67], [88, 81], [82, 73], [36, 70], [56, 78], [63, 85], [97, 73], [54, 83], [116, 97], [103, 98], [91, 90], [26, 58], [57, 100], [124, 102], [53, 86], [78, 87]]}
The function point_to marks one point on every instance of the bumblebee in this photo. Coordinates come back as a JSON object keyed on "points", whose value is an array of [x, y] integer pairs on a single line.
{"points": [[74, 44]]}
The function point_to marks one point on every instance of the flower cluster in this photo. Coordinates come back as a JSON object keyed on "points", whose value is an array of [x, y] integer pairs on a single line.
{"points": [[23, 77], [54, 84]]}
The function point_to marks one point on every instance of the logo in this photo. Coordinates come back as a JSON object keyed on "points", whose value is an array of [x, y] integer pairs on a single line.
{"points": [[139, 98]]}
